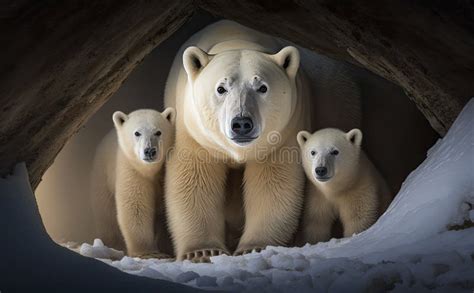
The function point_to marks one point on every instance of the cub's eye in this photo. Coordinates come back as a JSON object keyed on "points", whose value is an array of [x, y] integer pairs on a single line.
{"points": [[221, 90], [335, 152], [137, 134], [262, 89], [158, 133], [313, 153]]}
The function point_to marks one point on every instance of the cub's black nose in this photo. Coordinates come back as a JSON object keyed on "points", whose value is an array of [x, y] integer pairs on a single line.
{"points": [[150, 152], [321, 171], [242, 125]]}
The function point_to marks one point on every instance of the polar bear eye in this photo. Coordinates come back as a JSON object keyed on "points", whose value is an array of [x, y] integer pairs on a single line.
{"points": [[137, 134], [221, 90], [263, 89], [313, 153], [335, 152], [158, 133]]}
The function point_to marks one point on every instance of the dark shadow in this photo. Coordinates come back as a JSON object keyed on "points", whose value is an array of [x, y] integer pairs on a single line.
{"points": [[31, 261]]}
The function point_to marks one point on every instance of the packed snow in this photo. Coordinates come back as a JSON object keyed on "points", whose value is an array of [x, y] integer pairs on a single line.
{"points": [[98, 250], [413, 247]]}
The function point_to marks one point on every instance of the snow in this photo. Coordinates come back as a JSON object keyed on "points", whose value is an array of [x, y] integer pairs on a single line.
{"points": [[98, 250], [443, 261], [409, 249]]}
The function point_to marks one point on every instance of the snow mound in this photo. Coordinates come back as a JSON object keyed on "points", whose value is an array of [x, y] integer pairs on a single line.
{"points": [[99, 250], [410, 248]]}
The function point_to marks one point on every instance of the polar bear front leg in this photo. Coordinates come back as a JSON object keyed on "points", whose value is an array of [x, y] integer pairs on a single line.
{"points": [[135, 213], [273, 198], [357, 214], [319, 216], [105, 215], [195, 187]]}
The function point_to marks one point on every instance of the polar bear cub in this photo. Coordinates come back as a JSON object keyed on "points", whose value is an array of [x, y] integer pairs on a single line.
{"points": [[343, 184], [126, 184]]}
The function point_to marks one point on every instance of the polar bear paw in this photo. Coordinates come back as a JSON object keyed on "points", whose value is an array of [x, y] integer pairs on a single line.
{"points": [[204, 255], [154, 254], [248, 250]]}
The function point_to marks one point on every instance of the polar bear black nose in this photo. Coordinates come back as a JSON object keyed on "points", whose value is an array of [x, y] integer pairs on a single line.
{"points": [[150, 152], [242, 125], [321, 171]]}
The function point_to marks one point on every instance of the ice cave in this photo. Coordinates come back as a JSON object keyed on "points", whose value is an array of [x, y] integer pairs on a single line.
{"points": [[75, 64]]}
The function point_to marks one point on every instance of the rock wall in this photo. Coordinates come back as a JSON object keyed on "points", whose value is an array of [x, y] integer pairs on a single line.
{"points": [[424, 46], [63, 60]]}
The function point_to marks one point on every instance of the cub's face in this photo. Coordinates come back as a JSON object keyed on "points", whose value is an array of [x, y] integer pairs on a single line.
{"points": [[330, 155], [145, 135], [240, 96]]}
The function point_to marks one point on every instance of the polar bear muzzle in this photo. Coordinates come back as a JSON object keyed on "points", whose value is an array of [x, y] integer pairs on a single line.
{"points": [[242, 130], [149, 154], [147, 147], [324, 170]]}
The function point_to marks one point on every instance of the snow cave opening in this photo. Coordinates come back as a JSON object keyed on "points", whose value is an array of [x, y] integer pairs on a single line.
{"points": [[62, 196]]}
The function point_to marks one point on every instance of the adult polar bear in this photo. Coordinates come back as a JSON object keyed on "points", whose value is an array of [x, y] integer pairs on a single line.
{"points": [[241, 98]]}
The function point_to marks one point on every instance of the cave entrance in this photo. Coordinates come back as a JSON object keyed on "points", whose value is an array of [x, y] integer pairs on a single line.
{"points": [[63, 60], [63, 195]]}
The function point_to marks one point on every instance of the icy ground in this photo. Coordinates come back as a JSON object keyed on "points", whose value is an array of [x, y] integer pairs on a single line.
{"points": [[409, 249]]}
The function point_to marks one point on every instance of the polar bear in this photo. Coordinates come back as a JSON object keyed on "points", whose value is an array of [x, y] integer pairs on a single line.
{"points": [[343, 184], [241, 98], [126, 182]]}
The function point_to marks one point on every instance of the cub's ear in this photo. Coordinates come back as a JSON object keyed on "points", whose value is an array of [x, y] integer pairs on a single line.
{"points": [[302, 137], [194, 60], [119, 118], [289, 59], [170, 115], [355, 136]]}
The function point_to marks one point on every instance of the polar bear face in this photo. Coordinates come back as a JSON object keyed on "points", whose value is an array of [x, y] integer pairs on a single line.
{"points": [[330, 155], [239, 96], [145, 135]]}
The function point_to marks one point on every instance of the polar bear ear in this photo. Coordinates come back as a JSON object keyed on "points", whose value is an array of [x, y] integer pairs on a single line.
{"points": [[355, 136], [302, 137], [194, 59], [170, 115], [289, 59], [119, 118]]}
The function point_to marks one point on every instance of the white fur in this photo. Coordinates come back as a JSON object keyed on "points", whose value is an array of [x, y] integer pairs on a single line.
{"points": [[352, 189], [126, 190], [206, 159]]}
